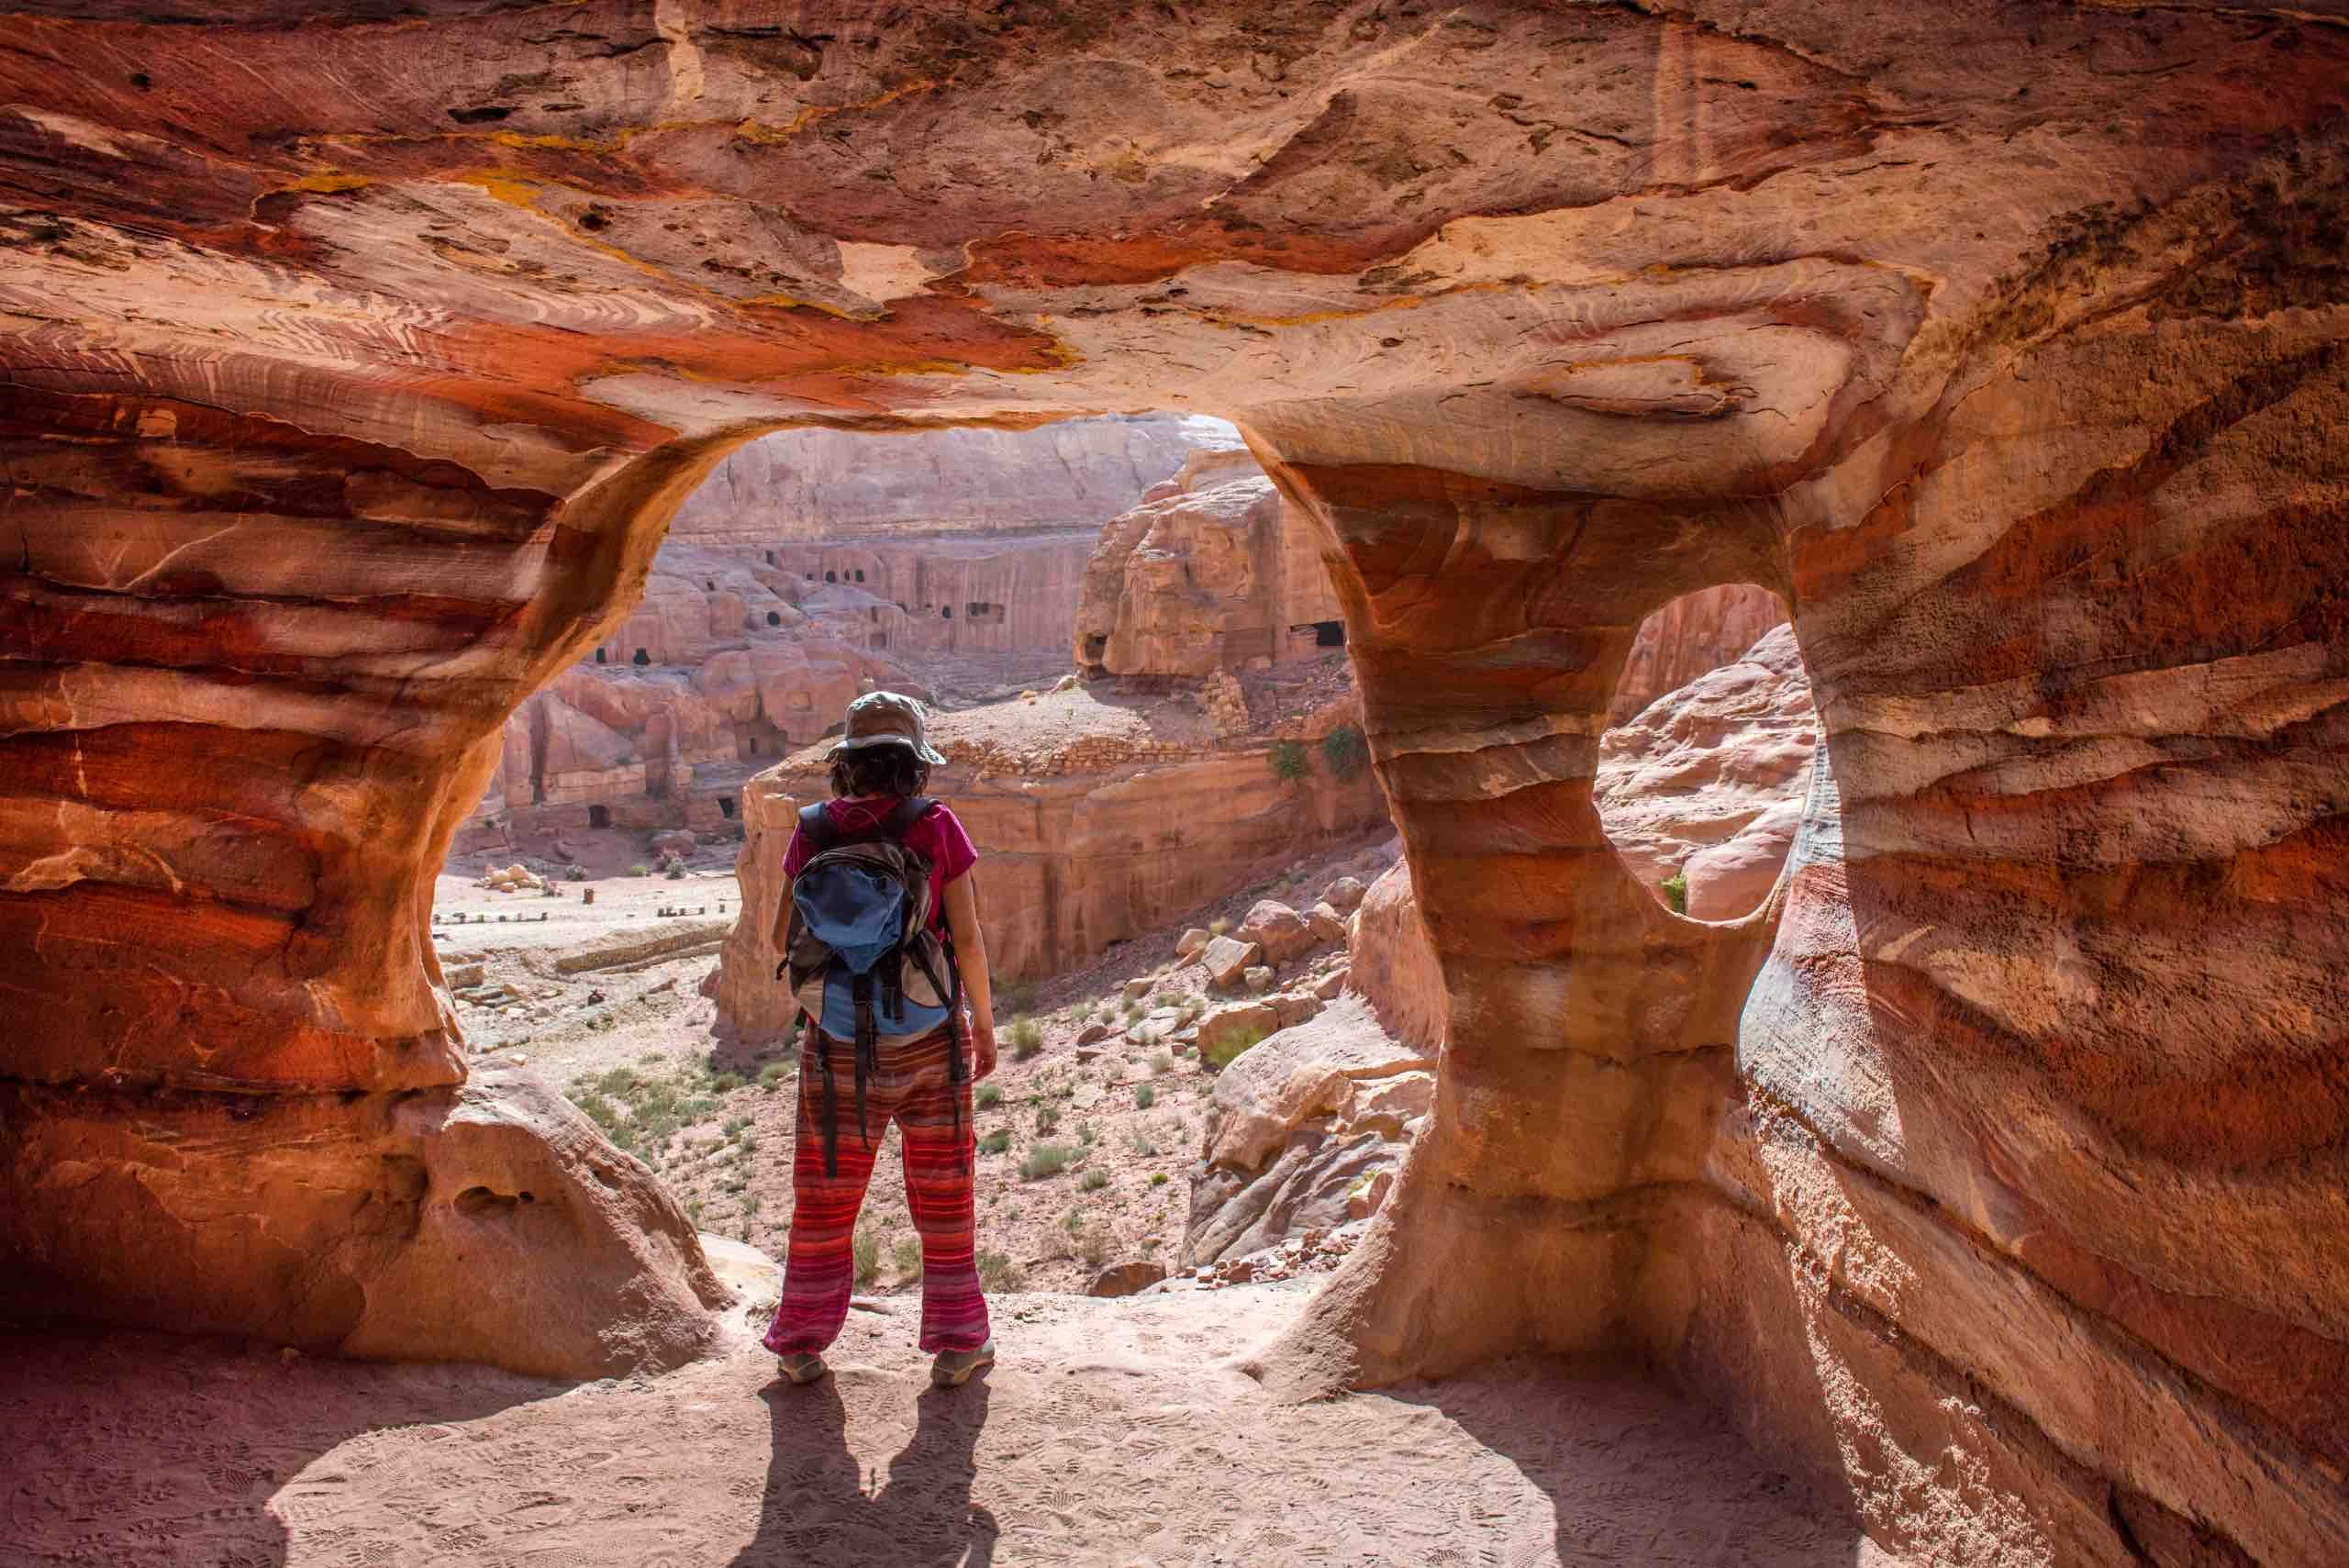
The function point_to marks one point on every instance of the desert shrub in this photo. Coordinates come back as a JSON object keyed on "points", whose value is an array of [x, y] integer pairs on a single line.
{"points": [[1158, 1178], [1094, 1249], [997, 1272], [1087, 1132], [1019, 997], [751, 1205], [1223, 1052], [1047, 1159], [906, 1255], [995, 1142], [621, 1081], [1289, 762], [867, 1246], [1676, 892], [988, 1096], [1164, 1062], [735, 1126], [599, 1110], [638, 868], [1345, 751], [1219, 927], [1092, 1181], [1140, 1140], [1047, 1118], [1027, 1038], [725, 1082], [676, 872], [1145, 1097], [771, 1076]]}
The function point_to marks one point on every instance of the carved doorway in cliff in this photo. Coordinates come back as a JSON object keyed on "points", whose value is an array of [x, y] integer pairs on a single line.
{"points": [[1704, 763]]}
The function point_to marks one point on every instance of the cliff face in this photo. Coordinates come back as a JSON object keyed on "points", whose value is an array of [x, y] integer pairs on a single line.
{"points": [[1212, 572], [808, 485], [1991, 1173]]}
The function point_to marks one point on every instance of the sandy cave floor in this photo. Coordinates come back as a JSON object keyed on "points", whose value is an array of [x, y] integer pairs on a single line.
{"points": [[1111, 1433]]}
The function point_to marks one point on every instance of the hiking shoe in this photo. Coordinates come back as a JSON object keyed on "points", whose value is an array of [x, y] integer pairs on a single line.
{"points": [[955, 1368], [805, 1366]]}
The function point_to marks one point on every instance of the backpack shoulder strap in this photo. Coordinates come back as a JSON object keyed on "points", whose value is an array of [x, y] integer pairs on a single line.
{"points": [[817, 824], [906, 814]]}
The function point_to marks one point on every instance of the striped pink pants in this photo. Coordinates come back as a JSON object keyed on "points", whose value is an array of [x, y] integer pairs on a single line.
{"points": [[910, 1086]]}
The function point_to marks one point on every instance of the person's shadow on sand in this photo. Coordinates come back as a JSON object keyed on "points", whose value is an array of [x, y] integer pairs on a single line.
{"points": [[815, 1510]]}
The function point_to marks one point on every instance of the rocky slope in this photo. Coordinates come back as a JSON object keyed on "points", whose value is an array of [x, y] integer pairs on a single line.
{"points": [[355, 364]]}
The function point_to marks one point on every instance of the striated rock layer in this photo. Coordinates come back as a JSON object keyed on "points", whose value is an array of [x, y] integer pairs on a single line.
{"points": [[351, 386]]}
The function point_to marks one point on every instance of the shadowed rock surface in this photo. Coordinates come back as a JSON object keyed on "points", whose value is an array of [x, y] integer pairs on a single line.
{"points": [[356, 366]]}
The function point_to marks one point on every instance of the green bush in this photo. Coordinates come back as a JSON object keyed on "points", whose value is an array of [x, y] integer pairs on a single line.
{"points": [[868, 1255], [1027, 1038], [725, 1082], [1225, 1051], [1289, 762], [1047, 1159], [735, 1126], [1345, 751], [1092, 1181], [1019, 997], [1219, 927], [638, 868], [1145, 1097], [997, 1272], [771, 1076], [1163, 1062], [1095, 1249], [1047, 1118], [995, 1142], [989, 1096], [907, 1256], [1675, 892], [1158, 1178]]}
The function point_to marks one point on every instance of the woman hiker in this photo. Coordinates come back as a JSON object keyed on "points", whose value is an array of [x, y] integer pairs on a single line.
{"points": [[881, 941]]}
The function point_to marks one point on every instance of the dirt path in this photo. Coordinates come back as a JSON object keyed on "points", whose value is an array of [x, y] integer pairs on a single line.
{"points": [[1113, 1432]]}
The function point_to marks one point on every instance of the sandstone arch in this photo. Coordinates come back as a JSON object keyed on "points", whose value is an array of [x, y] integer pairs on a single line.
{"points": [[2007, 342]]}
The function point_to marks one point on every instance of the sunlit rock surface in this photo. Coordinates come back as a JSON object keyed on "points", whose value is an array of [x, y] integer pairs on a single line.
{"points": [[355, 366]]}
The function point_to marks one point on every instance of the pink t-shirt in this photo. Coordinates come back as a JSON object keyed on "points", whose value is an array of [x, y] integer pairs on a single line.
{"points": [[938, 837]]}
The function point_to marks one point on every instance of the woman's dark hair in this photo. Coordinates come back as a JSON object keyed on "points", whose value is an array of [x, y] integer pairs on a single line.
{"points": [[879, 770]]}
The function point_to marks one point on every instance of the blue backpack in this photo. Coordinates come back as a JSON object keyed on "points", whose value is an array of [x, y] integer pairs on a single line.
{"points": [[860, 920]]}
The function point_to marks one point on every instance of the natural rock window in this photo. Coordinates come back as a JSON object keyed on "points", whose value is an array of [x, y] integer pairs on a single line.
{"points": [[1700, 783], [775, 617], [599, 817], [603, 656], [725, 807], [831, 576], [641, 658]]}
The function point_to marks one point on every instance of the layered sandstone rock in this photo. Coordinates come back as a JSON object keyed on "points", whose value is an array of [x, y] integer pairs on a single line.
{"points": [[1702, 788], [345, 407], [1696, 632], [1212, 572]]}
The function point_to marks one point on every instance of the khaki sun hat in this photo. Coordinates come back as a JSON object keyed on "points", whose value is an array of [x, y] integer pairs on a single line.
{"points": [[887, 718]]}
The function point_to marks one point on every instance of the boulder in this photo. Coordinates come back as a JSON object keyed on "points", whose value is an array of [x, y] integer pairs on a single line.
{"points": [[1281, 931], [1731, 879], [1127, 1278], [677, 841], [1193, 942], [1137, 988], [1300, 1126], [1228, 1031], [1343, 895], [1392, 966], [1257, 978], [1327, 988], [1327, 926], [1228, 958], [1092, 1033]]}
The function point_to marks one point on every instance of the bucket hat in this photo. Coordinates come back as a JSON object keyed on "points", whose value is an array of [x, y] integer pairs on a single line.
{"points": [[887, 718]]}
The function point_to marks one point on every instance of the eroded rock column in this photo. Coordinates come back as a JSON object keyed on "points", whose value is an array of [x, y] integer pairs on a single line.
{"points": [[266, 672]]}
